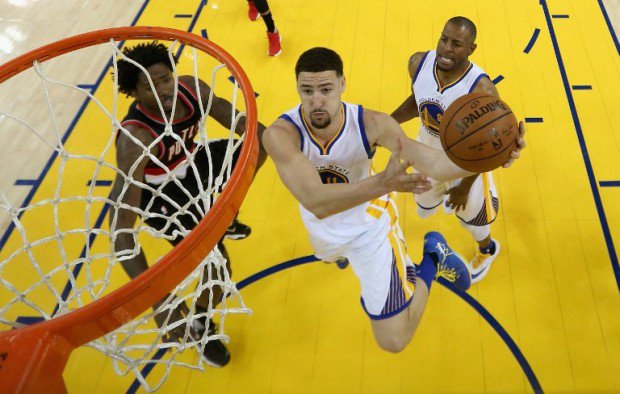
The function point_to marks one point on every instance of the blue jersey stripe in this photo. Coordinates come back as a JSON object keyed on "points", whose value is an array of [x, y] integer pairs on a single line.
{"points": [[301, 136], [417, 71], [473, 86], [360, 121]]}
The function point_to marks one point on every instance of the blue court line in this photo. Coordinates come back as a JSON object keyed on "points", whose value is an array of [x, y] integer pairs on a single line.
{"points": [[530, 44], [584, 149], [99, 182], [78, 267], [191, 25], [614, 37], [183, 15], [609, 183], [232, 79], [560, 16], [87, 86], [514, 349], [582, 87], [533, 120], [503, 334], [498, 79], [146, 370], [204, 34], [25, 182]]}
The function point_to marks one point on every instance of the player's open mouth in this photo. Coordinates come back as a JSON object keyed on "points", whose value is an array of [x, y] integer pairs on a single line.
{"points": [[445, 60]]}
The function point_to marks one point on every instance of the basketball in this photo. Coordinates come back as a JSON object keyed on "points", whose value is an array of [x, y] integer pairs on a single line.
{"points": [[478, 132]]}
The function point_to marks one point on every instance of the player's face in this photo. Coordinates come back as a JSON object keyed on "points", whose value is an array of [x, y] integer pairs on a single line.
{"points": [[320, 95], [163, 81], [454, 47]]}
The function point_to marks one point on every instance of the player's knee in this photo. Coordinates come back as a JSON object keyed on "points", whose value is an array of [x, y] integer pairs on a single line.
{"points": [[425, 213], [478, 232], [393, 345]]}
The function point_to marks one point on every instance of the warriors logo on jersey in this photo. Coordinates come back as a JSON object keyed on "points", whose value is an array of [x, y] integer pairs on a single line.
{"points": [[433, 98], [430, 115], [332, 173], [330, 176]]}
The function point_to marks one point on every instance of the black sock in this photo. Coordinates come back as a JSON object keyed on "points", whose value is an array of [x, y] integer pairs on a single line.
{"points": [[489, 249], [271, 26]]}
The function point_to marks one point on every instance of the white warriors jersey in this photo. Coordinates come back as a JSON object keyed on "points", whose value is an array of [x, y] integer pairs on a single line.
{"points": [[433, 99], [346, 158]]}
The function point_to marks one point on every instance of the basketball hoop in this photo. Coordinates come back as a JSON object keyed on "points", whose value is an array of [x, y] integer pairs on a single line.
{"points": [[32, 358]]}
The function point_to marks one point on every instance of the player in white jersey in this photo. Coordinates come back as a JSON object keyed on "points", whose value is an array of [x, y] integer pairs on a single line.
{"points": [[438, 78], [323, 152]]}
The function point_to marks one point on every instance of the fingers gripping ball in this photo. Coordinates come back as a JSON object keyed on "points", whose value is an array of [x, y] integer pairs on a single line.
{"points": [[478, 132]]}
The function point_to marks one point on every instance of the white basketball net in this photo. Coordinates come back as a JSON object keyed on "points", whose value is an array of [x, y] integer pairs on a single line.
{"points": [[57, 233]]}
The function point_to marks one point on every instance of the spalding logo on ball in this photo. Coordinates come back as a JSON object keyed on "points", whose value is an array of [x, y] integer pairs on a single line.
{"points": [[478, 132]]}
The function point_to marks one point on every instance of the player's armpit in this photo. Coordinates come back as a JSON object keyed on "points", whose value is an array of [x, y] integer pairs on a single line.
{"points": [[485, 85]]}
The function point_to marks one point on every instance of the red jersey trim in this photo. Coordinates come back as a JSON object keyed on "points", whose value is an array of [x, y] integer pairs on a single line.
{"points": [[162, 148]]}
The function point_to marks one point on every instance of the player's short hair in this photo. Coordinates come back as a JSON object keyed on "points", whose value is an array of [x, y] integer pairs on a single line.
{"points": [[145, 55], [319, 59], [466, 23]]}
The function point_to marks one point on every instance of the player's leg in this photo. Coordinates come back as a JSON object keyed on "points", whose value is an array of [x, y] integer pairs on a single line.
{"points": [[272, 32], [214, 353], [252, 11], [218, 149], [481, 210], [428, 202], [394, 291], [396, 316]]}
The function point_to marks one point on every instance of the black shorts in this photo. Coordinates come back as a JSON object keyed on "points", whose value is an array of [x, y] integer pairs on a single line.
{"points": [[167, 224]]}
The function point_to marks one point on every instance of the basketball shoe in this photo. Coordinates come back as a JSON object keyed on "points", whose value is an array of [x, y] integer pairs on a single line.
{"points": [[214, 353], [252, 11], [450, 265], [237, 230], [481, 263], [274, 43]]}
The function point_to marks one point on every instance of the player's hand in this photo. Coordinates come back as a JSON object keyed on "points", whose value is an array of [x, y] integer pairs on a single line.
{"points": [[396, 178], [515, 154], [457, 197]]}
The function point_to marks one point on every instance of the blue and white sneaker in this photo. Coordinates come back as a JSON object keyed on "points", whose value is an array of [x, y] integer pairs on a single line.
{"points": [[450, 266], [481, 263]]}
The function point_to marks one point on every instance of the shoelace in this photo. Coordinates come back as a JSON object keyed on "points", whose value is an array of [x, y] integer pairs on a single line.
{"points": [[442, 270], [478, 258]]}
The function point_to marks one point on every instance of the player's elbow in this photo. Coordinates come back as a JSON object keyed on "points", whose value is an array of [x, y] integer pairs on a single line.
{"points": [[319, 209]]}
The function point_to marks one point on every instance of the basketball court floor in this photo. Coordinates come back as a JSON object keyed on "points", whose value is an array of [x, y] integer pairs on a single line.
{"points": [[545, 319]]}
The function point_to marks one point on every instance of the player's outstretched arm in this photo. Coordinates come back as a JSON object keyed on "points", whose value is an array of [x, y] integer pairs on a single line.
{"points": [[382, 130], [222, 111], [130, 161], [298, 174]]}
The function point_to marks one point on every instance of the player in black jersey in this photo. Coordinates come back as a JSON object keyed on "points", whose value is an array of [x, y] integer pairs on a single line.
{"points": [[144, 122]]}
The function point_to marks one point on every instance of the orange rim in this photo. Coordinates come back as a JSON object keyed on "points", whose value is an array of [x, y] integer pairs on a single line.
{"points": [[59, 336]]}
